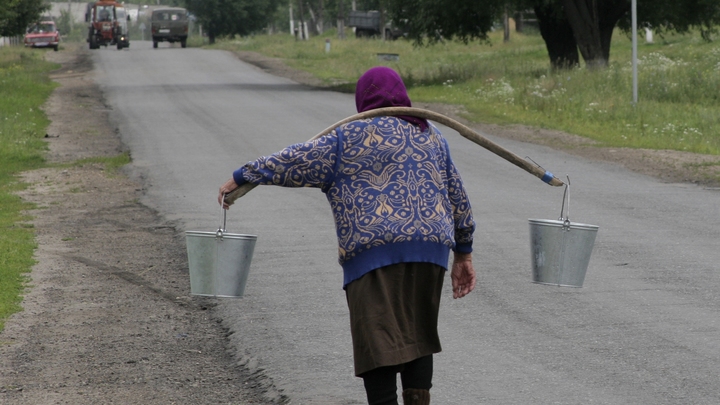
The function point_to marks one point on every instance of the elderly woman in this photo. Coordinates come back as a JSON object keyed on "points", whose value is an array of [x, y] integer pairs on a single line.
{"points": [[399, 207]]}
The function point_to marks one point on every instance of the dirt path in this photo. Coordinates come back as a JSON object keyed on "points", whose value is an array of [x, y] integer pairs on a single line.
{"points": [[108, 318]]}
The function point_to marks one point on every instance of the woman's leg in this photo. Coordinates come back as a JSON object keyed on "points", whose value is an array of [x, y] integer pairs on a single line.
{"points": [[381, 385], [417, 380], [418, 373]]}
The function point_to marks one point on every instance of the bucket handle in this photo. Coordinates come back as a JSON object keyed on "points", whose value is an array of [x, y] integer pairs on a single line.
{"points": [[223, 223], [566, 197]]}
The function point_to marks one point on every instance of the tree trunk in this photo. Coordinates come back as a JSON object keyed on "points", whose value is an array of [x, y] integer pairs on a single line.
{"points": [[321, 17], [518, 16], [583, 16], [313, 21], [302, 21], [559, 38], [611, 11], [506, 26]]}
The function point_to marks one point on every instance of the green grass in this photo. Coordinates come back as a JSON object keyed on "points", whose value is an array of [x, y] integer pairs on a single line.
{"points": [[679, 84], [24, 86], [111, 163]]}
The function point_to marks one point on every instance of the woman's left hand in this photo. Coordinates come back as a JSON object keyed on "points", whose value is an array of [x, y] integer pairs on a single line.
{"points": [[462, 275]]}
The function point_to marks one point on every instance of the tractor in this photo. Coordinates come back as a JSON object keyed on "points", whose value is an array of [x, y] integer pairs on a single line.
{"points": [[105, 28]]}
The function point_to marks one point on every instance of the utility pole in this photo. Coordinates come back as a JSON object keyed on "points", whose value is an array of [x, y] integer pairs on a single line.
{"points": [[634, 51], [382, 21]]}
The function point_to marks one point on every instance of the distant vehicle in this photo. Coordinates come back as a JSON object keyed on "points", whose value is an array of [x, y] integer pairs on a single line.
{"points": [[105, 27], [367, 24], [43, 34], [169, 24]]}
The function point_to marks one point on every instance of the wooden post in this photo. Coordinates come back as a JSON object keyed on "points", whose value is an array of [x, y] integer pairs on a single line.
{"points": [[341, 19]]}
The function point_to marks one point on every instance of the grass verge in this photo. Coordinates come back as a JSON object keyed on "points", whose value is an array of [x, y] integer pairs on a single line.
{"points": [[24, 85]]}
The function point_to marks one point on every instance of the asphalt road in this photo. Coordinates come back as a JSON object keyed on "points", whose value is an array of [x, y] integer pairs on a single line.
{"points": [[644, 329]]}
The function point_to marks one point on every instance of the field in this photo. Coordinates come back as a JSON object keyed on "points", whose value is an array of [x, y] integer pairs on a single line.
{"points": [[496, 82]]}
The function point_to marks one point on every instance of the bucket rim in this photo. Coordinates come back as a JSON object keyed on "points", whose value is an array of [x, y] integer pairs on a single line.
{"points": [[217, 295], [556, 284], [558, 223], [205, 234]]}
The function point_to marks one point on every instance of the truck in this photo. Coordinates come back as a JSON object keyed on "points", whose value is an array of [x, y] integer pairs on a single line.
{"points": [[367, 24], [107, 24], [169, 24]]}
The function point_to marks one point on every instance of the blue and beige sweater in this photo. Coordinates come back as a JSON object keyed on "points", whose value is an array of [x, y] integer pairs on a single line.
{"points": [[395, 194]]}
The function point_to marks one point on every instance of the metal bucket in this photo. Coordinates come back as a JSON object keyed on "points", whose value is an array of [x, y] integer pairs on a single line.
{"points": [[560, 251], [219, 262]]}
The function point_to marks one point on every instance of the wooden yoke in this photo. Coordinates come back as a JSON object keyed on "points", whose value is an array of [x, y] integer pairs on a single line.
{"points": [[463, 130]]}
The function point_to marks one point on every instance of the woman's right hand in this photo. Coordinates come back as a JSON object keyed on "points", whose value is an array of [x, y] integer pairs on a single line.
{"points": [[225, 189]]}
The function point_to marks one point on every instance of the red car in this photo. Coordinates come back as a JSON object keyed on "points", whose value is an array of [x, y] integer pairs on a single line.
{"points": [[43, 35]]}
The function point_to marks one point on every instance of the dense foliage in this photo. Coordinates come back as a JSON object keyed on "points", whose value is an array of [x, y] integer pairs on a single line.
{"points": [[221, 18], [16, 15], [567, 26]]}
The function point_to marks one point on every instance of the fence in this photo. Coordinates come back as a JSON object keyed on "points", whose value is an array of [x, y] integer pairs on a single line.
{"points": [[8, 41]]}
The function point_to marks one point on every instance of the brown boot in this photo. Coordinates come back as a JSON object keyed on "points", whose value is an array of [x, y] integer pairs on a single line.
{"points": [[413, 396]]}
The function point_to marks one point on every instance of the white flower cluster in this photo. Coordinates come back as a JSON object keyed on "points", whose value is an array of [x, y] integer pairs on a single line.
{"points": [[684, 130], [497, 90], [713, 54], [659, 62], [594, 107], [540, 91]]}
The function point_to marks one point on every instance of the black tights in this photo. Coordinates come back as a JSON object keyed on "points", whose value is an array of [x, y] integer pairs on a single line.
{"points": [[381, 383]]}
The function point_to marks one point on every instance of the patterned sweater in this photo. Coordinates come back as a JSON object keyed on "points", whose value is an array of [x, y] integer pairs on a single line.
{"points": [[394, 191]]}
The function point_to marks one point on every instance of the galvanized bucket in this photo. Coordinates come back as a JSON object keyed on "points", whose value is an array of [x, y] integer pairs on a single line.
{"points": [[561, 249], [219, 262]]}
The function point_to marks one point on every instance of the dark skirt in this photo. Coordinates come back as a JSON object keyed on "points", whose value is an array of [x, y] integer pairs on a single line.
{"points": [[394, 314]]}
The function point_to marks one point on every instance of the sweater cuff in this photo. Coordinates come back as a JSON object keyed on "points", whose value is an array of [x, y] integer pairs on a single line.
{"points": [[238, 176], [463, 247]]}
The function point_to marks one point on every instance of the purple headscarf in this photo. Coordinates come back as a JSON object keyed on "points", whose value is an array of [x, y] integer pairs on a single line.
{"points": [[382, 87]]}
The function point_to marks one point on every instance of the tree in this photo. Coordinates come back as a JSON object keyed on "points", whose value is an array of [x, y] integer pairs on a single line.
{"points": [[16, 15], [221, 18], [433, 20], [567, 26]]}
